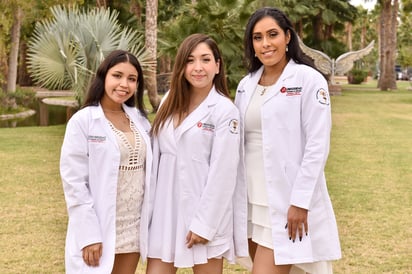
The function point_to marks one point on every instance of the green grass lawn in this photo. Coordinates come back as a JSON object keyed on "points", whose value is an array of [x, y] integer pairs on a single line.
{"points": [[368, 172]]}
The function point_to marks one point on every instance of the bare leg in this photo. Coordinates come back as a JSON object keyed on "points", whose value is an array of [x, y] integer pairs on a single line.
{"points": [[125, 263], [213, 266], [252, 249], [264, 263], [156, 266]]}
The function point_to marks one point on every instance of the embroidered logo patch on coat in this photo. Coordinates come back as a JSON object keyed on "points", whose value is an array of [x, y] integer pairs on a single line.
{"points": [[323, 97], [206, 126], [234, 126]]}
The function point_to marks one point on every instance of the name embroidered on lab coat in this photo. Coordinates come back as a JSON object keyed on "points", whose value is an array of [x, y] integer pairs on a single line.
{"points": [[206, 126], [292, 91], [96, 139]]}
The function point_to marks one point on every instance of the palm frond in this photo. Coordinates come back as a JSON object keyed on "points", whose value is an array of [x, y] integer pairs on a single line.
{"points": [[65, 51]]}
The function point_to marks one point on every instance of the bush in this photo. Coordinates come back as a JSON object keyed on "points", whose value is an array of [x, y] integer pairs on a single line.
{"points": [[357, 76], [24, 97], [17, 101]]}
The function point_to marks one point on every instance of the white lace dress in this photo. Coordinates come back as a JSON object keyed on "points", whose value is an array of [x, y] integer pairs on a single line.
{"points": [[130, 189]]}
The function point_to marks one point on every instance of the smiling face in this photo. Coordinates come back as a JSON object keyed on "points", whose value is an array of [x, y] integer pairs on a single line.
{"points": [[269, 42], [120, 84], [201, 68]]}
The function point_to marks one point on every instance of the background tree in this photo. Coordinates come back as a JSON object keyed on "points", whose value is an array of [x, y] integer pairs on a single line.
{"points": [[14, 49], [6, 20], [16, 24], [365, 30], [320, 23], [387, 42], [222, 20], [65, 51], [151, 46], [405, 37]]}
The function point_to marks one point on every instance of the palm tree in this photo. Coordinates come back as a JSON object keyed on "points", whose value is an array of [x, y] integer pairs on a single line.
{"points": [[65, 51], [14, 50], [405, 37], [151, 46], [387, 40], [222, 20]]}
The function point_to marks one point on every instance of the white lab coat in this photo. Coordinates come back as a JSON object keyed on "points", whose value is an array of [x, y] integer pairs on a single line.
{"points": [[296, 124], [194, 175], [89, 167]]}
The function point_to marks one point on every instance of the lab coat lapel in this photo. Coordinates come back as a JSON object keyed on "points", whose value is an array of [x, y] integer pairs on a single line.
{"points": [[201, 111], [134, 115], [287, 72], [98, 116], [249, 88]]}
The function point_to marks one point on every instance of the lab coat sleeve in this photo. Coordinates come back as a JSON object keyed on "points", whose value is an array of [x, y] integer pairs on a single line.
{"points": [[74, 170], [316, 126], [217, 196]]}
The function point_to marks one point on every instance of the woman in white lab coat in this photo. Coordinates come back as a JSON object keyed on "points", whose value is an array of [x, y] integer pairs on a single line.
{"points": [[285, 124], [195, 156], [105, 164]]}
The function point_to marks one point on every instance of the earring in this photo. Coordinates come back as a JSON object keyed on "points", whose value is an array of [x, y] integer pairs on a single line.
{"points": [[287, 48], [255, 54]]}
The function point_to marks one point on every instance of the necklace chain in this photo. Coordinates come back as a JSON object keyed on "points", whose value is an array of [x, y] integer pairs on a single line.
{"points": [[113, 111], [265, 84]]}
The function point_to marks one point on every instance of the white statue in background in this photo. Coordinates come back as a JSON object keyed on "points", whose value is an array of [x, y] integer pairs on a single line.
{"points": [[330, 66]]}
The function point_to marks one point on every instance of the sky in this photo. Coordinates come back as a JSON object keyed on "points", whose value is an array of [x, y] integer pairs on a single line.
{"points": [[366, 4]]}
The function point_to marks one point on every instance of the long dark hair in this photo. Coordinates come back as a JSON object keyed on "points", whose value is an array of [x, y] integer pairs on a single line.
{"points": [[294, 51], [178, 99], [96, 90]]}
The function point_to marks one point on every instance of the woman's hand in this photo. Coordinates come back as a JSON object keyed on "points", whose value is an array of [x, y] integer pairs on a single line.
{"points": [[192, 239], [297, 222], [92, 254]]}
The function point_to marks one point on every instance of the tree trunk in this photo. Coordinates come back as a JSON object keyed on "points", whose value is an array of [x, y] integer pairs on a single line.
{"points": [[393, 40], [317, 28], [299, 28], [349, 31], [363, 35], [151, 46], [3, 68], [14, 50], [388, 26], [101, 3], [23, 77], [136, 9]]}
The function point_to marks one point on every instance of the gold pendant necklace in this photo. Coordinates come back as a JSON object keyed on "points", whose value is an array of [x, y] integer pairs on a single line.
{"points": [[263, 91]]}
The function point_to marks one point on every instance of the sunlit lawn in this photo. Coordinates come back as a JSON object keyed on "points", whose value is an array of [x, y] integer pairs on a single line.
{"points": [[369, 177]]}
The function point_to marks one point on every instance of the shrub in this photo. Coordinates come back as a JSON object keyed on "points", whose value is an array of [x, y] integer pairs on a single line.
{"points": [[16, 101], [357, 76]]}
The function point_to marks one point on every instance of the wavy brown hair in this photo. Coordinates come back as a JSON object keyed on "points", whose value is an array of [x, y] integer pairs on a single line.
{"points": [[178, 99]]}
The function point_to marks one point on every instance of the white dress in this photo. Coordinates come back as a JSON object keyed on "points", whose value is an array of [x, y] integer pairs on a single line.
{"points": [[169, 222], [130, 189], [259, 224]]}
